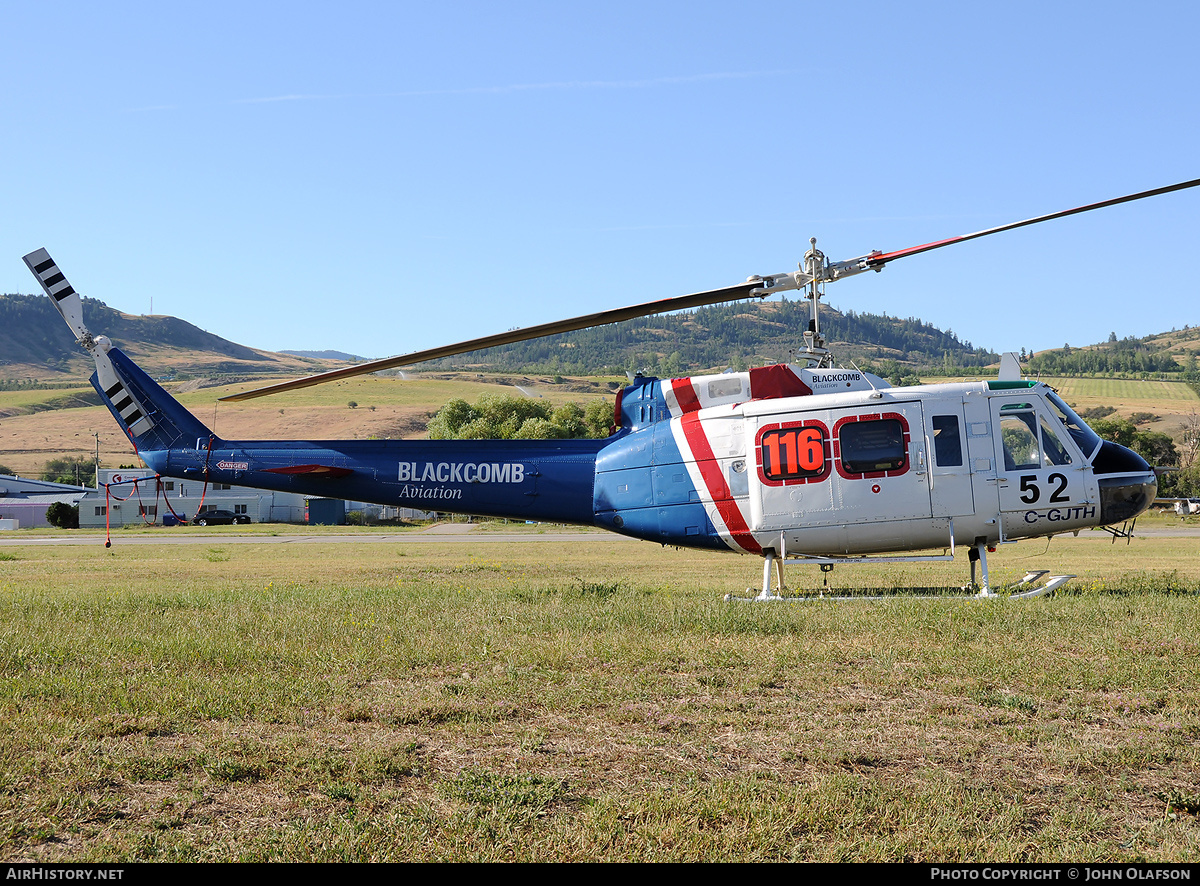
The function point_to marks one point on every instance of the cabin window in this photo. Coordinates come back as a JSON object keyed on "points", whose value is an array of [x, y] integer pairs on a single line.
{"points": [[947, 442], [793, 453], [101, 511], [871, 446], [724, 387]]}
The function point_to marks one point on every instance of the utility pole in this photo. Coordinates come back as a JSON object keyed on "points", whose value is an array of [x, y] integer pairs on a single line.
{"points": [[97, 436]]}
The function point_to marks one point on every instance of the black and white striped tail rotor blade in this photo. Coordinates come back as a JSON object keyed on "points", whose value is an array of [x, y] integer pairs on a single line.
{"points": [[70, 305], [61, 292]]}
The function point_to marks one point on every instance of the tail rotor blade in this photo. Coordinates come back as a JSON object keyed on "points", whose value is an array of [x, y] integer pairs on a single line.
{"points": [[131, 412], [62, 293]]}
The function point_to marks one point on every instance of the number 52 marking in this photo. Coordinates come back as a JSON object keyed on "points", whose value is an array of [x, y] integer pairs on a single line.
{"points": [[1031, 492]]}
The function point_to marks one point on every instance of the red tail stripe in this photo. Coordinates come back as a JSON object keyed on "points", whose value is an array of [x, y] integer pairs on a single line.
{"points": [[714, 480], [685, 395]]}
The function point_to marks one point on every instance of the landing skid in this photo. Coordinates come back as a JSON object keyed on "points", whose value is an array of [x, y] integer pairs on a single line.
{"points": [[1035, 583]]}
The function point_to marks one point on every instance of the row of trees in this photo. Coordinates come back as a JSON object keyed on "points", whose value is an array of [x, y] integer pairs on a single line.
{"points": [[505, 417], [1103, 361], [74, 470]]}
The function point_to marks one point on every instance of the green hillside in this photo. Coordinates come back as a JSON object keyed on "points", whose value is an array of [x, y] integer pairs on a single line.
{"points": [[736, 335], [34, 342], [1168, 355]]}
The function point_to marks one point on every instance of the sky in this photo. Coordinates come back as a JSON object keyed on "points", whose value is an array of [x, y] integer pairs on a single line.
{"points": [[381, 177]]}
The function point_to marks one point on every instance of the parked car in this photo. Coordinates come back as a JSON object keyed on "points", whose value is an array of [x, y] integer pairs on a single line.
{"points": [[219, 518]]}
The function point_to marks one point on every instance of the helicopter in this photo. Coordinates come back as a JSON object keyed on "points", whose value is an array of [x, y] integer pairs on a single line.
{"points": [[803, 462]]}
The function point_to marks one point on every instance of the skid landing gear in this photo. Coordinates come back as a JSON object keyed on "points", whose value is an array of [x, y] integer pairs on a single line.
{"points": [[1028, 586], [1035, 583]]}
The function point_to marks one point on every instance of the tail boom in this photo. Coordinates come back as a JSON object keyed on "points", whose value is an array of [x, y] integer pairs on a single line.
{"points": [[544, 480]]}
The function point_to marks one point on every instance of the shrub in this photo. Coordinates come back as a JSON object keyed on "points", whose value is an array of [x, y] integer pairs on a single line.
{"points": [[63, 515]]}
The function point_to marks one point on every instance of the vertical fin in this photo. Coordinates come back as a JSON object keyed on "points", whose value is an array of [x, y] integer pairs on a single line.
{"points": [[126, 404]]}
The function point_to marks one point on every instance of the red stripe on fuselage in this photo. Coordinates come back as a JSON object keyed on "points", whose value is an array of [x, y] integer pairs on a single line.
{"points": [[714, 481], [685, 395]]}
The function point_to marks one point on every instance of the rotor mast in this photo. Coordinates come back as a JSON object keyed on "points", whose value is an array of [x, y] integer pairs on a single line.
{"points": [[814, 353], [814, 272]]}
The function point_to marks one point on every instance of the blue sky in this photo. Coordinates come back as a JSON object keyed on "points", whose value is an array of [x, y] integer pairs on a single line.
{"points": [[382, 177]]}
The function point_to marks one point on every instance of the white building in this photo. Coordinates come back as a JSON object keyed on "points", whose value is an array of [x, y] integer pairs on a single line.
{"points": [[23, 502], [129, 502]]}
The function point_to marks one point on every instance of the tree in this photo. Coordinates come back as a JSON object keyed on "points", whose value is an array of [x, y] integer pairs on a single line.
{"points": [[1181, 484], [74, 470], [598, 415], [504, 417], [1190, 439], [63, 515], [1157, 448]]}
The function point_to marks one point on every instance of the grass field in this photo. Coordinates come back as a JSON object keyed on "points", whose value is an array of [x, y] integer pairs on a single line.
{"points": [[1128, 395], [589, 701], [12, 402]]}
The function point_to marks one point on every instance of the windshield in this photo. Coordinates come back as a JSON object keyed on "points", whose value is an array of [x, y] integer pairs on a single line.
{"points": [[1087, 439]]}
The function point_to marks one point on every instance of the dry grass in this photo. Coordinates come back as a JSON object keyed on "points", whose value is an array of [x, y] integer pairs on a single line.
{"points": [[417, 701], [387, 408]]}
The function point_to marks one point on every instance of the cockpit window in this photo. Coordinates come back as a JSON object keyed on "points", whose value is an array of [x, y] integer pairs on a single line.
{"points": [[1018, 435], [1053, 452], [1087, 439], [1030, 438]]}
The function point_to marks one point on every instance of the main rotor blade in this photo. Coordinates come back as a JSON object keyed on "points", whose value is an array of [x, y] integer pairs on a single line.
{"points": [[877, 260], [874, 261], [662, 306]]}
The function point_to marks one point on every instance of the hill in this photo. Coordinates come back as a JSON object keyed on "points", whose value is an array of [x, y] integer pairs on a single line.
{"points": [[327, 355], [36, 344], [1172, 353], [735, 335]]}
